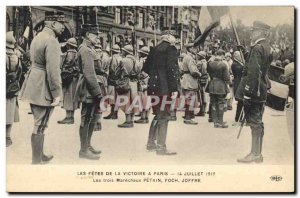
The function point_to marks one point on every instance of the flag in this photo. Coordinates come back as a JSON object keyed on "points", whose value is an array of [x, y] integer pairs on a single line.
{"points": [[209, 19], [278, 94]]}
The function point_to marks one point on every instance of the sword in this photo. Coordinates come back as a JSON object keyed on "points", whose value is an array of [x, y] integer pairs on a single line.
{"points": [[243, 122]]}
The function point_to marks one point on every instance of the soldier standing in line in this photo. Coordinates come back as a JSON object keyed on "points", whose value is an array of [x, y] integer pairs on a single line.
{"points": [[218, 88], [114, 64], [142, 85], [101, 69], [70, 65], [89, 90], [189, 83], [253, 88], [203, 82], [129, 70], [42, 87], [237, 68], [163, 84], [13, 75]]}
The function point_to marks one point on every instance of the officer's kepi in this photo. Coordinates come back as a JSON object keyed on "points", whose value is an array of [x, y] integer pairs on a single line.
{"points": [[258, 25], [55, 16]]}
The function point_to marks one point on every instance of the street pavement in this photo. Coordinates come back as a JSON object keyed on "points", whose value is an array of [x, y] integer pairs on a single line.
{"points": [[195, 144]]}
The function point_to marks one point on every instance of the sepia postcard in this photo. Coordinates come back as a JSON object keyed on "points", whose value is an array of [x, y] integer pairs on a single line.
{"points": [[150, 99]]}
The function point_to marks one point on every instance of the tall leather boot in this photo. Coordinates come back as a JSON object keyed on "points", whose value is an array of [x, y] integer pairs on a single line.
{"points": [[255, 154], [45, 158], [151, 145], [161, 138], [128, 123], [90, 134], [37, 147], [214, 116], [84, 151]]}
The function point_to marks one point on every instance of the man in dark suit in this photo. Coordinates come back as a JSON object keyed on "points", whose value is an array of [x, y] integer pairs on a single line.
{"points": [[253, 88], [163, 72]]}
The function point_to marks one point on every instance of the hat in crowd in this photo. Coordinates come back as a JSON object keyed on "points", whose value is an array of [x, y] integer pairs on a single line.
{"points": [[220, 52], [144, 50], [228, 54], [116, 48], [72, 42], [237, 56], [10, 39], [128, 49], [216, 45], [258, 25], [55, 16], [202, 54], [172, 31], [91, 28]]}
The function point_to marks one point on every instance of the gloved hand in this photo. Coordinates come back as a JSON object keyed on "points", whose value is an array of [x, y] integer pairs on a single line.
{"points": [[247, 101], [56, 101], [174, 95]]}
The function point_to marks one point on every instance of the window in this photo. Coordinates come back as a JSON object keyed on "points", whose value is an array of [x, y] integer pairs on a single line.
{"points": [[118, 16], [141, 20]]}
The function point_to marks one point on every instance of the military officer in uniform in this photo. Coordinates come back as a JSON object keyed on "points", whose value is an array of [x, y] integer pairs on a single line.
{"points": [[253, 88], [129, 70], [114, 64], [142, 85], [218, 88], [89, 90], [189, 83], [163, 84], [13, 75], [202, 82], [43, 87], [69, 63]]}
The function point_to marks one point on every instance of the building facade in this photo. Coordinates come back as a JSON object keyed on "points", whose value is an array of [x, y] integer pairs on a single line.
{"points": [[118, 24]]}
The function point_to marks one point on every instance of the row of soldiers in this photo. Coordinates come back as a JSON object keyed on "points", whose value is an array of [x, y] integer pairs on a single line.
{"points": [[87, 75]]}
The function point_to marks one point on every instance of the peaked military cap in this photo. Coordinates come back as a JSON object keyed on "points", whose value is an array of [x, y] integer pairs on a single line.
{"points": [[171, 31], [260, 26], [55, 16]]}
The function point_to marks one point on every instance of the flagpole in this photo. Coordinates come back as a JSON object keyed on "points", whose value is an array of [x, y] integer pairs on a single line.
{"points": [[236, 35]]}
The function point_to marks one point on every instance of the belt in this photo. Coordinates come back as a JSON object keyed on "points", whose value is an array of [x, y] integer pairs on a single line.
{"points": [[186, 72], [35, 65]]}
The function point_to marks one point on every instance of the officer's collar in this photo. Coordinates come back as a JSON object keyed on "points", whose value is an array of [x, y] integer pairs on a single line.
{"points": [[49, 31], [257, 41], [87, 43]]}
